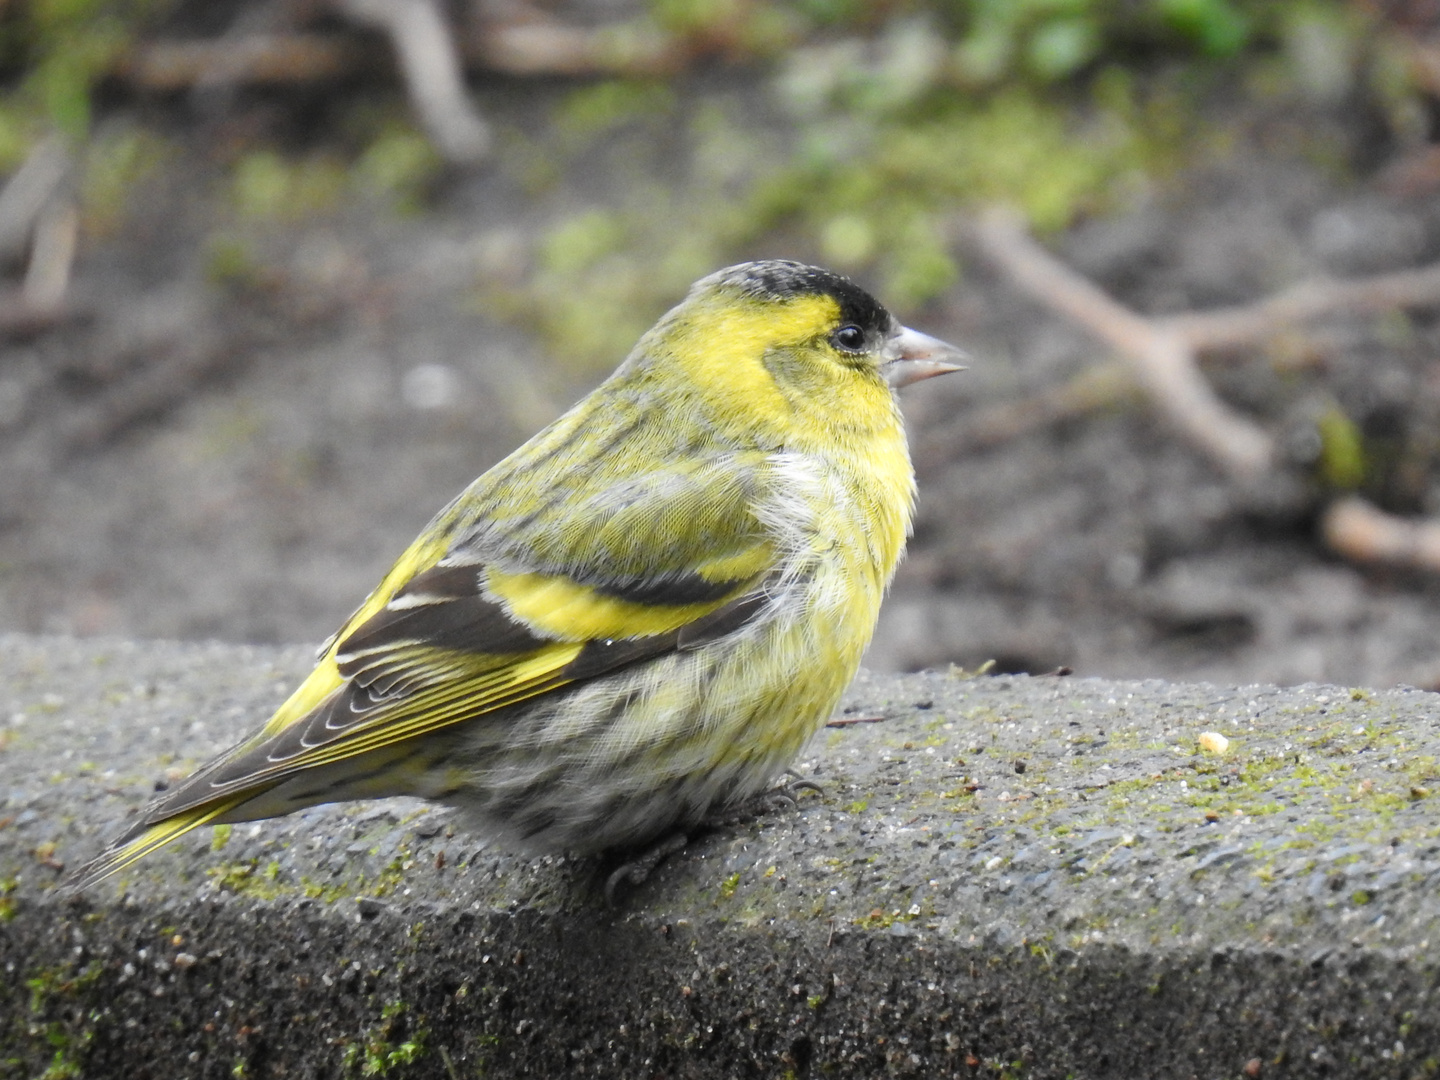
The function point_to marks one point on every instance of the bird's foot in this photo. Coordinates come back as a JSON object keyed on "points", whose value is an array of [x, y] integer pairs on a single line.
{"points": [[767, 801], [636, 870]]}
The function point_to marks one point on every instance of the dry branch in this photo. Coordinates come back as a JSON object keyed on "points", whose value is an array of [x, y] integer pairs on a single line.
{"points": [[21, 318], [1163, 350], [851, 721], [1360, 532], [35, 210], [1226, 328], [1163, 354], [29, 190], [527, 49], [430, 62], [553, 48], [52, 256], [425, 51], [260, 59], [1162, 358]]}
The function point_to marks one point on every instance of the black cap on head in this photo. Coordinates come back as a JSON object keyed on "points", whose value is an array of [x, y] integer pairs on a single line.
{"points": [[781, 279]]}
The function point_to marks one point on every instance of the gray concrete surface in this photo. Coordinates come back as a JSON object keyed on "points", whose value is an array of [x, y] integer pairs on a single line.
{"points": [[1005, 876]]}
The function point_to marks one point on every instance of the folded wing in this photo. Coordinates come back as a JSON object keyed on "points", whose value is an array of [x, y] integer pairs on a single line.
{"points": [[462, 629]]}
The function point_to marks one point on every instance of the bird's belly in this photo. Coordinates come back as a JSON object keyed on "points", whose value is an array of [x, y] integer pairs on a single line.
{"points": [[627, 757]]}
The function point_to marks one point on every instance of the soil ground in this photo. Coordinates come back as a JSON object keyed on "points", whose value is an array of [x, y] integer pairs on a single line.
{"points": [[191, 461]]}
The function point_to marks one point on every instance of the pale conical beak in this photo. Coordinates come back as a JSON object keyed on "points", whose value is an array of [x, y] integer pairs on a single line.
{"points": [[911, 356]]}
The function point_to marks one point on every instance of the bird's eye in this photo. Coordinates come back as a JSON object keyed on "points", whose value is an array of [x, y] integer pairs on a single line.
{"points": [[850, 338]]}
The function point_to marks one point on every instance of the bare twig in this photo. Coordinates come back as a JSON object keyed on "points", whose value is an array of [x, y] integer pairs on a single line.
{"points": [[20, 318], [254, 58], [553, 48], [29, 190], [851, 721], [1362, 533], [539, 47], [47, 278], [1163, 350], [33, 210], [1230, 327], [430, 62], [1163, 359]]}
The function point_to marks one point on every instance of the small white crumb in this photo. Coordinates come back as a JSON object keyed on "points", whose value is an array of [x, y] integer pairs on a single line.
{"points": [[1214, 742]]}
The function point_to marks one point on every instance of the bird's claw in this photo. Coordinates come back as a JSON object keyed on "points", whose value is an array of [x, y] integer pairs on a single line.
{"points": [[636, 870]]}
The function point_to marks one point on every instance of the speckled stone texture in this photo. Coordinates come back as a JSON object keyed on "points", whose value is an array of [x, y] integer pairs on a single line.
{"points": [[1005, 876]]}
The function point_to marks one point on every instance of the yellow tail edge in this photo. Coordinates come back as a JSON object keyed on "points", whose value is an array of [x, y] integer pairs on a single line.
{"points": [[118, 856]]}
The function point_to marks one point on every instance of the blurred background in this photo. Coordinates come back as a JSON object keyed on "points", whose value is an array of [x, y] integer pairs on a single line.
{"points": [[281, 276]]}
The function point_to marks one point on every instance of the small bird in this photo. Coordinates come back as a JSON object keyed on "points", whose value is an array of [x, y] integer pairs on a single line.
{"points": [[637, 618]]}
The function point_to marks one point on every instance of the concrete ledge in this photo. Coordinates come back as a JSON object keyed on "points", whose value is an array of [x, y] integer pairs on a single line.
{"points": [[1036, 877]]}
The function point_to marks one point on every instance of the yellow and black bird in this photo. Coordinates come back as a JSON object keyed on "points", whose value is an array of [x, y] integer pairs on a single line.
{"points": [[640, 615]]}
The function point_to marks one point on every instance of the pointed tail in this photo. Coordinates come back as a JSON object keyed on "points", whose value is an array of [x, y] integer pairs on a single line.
{"points": [[144, 839]]}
